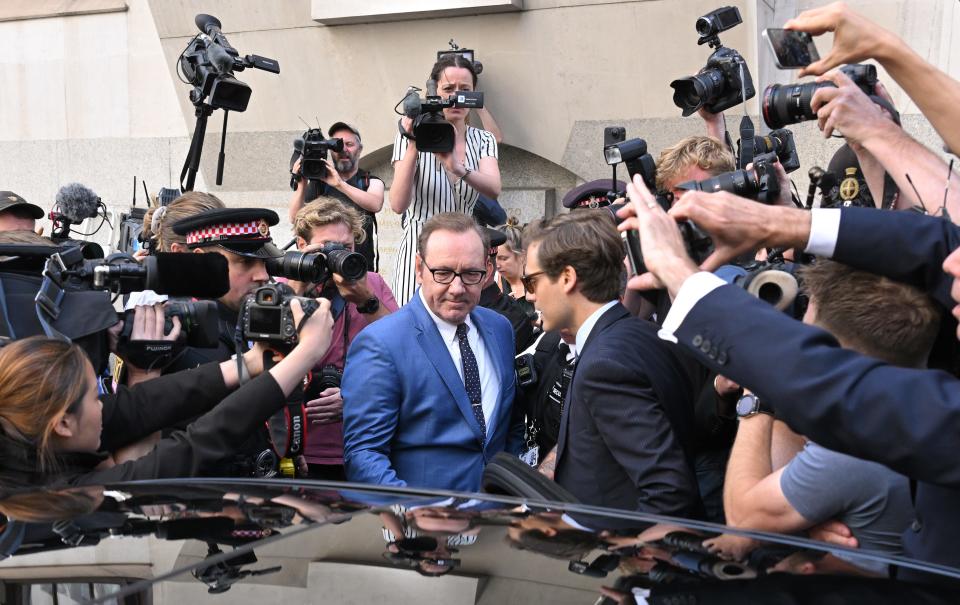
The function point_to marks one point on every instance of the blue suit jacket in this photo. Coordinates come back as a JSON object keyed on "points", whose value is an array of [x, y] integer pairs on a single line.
{"points": [[406, 415], [907, 419]]}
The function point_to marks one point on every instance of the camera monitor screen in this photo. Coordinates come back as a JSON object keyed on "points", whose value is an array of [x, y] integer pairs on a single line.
{"points": [[265, 320]]}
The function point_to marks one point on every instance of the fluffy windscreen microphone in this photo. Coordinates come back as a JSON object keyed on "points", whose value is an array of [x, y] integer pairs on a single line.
{"points": [[77, 203], [184, 274]]}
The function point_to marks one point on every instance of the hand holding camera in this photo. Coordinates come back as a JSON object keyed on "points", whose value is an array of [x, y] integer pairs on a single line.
{"points": [[849, 110]]}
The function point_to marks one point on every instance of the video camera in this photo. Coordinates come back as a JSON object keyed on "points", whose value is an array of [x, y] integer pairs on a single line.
{"points": [[209, 62], [759, 183], [725, 81], [312, 148], [266, 315], [317, 267], [785, 104], [199, 322], [431, 132]]}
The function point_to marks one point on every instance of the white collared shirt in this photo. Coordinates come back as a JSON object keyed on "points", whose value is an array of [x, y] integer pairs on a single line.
{"points": [[489, 382], [587, 326], [824, 231]]}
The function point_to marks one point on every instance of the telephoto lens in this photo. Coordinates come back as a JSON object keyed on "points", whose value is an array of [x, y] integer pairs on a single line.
{"points": [[300, 266], [346, 263], [785, 104]]}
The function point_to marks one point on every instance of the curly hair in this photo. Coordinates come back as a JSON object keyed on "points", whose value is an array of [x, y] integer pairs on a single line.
{"points": [[706, 152]]}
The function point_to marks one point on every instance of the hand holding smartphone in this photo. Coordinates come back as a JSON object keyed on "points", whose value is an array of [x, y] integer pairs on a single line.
{"points": [[791, 49]]}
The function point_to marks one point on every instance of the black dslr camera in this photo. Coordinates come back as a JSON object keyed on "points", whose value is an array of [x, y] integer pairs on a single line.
{"points": [[726, 80], [317, 267], [779, 142], [758, 183], [431, 132], [312, 148], [785, 104], [634, 154], [266, 314]]}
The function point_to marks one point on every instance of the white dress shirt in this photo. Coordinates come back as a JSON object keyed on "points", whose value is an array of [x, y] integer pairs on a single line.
{"points": [[587, 326], [824, 231], [489, 381]]}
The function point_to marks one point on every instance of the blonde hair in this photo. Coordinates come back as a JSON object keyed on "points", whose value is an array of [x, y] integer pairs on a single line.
{"points": [[706, 152], [326, 210], [159, 220], [514, 234], [32, 403]]}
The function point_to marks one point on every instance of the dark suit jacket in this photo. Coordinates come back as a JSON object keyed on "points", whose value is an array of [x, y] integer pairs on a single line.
{"points": [[628, 411], [907, 419]]}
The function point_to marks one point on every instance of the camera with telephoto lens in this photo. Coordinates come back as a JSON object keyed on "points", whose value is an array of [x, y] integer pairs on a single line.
{"points": [[759, 183], [312, 148], [199, 322], [266, 314], [633, 153], [779, 142], [785, 104], [430, 130], [725, 81], [317, 267]]}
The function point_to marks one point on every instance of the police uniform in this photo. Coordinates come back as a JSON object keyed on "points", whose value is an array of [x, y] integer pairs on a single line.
{"points": [[246, 232]]}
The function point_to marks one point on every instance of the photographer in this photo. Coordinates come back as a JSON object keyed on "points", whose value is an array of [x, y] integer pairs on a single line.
{"points": [[355, 305], [345, 181], [17, 213], [55, 431], [843, 400], [427, 183]]}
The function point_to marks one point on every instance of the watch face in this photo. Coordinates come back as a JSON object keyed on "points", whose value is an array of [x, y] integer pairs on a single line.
{"points": [[746, 406]]}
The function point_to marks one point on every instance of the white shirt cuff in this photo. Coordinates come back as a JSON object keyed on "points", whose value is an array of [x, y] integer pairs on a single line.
{"points": [[696, 287], [824, 230]]}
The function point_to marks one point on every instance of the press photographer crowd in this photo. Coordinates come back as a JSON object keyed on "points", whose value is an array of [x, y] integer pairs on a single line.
{"points": [[697, 340]]}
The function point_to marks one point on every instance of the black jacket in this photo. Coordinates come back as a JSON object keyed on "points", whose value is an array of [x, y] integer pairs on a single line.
{"points": [[906, 419], [494, 299], [148, 407], [628, 414]]}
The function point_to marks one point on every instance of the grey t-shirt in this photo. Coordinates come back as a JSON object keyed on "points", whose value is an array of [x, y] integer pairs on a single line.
{"points": [[869, 498]]}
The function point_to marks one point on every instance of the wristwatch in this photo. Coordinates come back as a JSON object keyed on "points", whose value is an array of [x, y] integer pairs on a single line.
{"points": [[372, 305], [750, 405]]}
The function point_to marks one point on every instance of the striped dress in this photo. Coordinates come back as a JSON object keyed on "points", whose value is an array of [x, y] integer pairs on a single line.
{"points": [[433, 194]]}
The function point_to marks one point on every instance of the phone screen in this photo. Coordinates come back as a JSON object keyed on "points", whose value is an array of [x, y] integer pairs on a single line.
{"points": [[792, 49]]}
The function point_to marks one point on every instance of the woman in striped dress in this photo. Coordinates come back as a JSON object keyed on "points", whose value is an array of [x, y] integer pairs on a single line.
{"points": [[427, 183]]}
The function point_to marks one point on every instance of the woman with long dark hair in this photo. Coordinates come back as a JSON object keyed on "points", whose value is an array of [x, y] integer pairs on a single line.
{"points": [[427, 183]]}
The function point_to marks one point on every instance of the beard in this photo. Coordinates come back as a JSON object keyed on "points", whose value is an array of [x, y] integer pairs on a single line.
{"points": [[345, 164]]}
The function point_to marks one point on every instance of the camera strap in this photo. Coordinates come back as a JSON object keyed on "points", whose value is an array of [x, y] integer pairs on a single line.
{"points": [[287, 427]]}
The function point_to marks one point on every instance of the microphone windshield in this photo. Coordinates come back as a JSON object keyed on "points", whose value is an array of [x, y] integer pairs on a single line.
{"points": [[208, 24], [77, 203], [186, 274]]}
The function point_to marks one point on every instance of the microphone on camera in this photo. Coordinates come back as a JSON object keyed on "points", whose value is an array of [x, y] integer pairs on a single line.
{"points": [[208, 24], [77, 203], [184, 274]]}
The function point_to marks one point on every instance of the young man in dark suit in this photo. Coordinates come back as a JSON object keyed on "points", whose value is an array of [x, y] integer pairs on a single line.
{"points": [[627, 417]]}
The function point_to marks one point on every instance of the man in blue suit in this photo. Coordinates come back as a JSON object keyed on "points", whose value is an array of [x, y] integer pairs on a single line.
{"points": [[428, 391], [907, 419]]}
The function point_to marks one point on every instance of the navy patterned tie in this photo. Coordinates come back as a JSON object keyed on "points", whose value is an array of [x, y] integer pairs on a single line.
{"points": [[471, 378]]}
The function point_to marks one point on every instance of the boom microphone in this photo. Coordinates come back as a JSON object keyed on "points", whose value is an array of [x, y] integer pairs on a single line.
{"points": [[77, 203], [182, 274], [208, 24]]}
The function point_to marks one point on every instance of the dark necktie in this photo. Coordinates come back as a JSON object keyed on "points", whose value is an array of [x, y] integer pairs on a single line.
{"points": [[471, 378]]}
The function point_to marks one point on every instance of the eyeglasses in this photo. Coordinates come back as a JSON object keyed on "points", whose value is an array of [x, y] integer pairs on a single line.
{"points": [[530, 282], [470, 277]]}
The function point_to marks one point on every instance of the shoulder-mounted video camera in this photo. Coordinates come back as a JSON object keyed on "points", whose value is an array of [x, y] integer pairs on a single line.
{"points": [[430, 130], [725, 81]]}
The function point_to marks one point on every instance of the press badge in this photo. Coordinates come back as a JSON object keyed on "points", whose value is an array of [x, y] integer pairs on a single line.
{"points": [[531, 456]]}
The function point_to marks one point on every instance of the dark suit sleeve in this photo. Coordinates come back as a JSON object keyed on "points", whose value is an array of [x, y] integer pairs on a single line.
{"points": [[133, 413], [371, 411], [636, 430], [904, 418], [207, 440], [904, 246]]}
